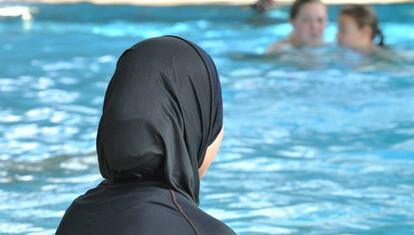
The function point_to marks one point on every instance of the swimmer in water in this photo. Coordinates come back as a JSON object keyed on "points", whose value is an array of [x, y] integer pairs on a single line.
{"points": [[308, 18], [358, 29]]}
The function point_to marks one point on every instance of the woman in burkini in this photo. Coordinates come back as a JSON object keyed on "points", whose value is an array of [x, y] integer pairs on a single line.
{"points": [[358, 28], [308, 19], [160, 129]]}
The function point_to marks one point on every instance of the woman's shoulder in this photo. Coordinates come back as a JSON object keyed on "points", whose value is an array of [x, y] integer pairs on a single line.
{"points": [[203, 222], [138, 209], [279, 46]]}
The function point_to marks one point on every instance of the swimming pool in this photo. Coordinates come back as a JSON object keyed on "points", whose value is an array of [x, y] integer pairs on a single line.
{"points": [[317, 141]]}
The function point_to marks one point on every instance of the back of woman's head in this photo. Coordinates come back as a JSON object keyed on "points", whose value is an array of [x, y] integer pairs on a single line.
{"points": [[365, 16], [297, 6], [161, 110]]}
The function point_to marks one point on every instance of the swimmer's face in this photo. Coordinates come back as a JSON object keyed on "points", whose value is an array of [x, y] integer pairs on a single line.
{"points": [[310, 23], [350, 35]]}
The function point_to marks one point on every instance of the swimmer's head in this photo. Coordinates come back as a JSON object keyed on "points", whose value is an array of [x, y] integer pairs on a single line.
{"points": [[308, 18], [162, 119], [358, 27]]}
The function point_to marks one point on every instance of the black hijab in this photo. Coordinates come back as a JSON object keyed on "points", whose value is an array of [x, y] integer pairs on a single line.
{"points": [[162, 109]]}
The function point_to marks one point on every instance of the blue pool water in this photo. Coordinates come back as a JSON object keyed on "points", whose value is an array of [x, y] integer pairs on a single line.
{"points": [[318, 141]]}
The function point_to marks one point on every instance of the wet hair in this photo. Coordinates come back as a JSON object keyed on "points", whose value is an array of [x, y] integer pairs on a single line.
{"points": [[364, 15], [297, 5]]}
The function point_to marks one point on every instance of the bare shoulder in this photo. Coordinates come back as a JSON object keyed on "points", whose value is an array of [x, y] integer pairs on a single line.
{"points": [[278, 46]]}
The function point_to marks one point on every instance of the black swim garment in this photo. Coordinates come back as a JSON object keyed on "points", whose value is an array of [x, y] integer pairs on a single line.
{"points": [[161, 111]]}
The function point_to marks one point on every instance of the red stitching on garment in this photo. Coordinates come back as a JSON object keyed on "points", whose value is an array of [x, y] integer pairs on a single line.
{"points": [[183, 213]]}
